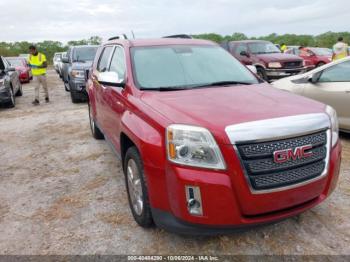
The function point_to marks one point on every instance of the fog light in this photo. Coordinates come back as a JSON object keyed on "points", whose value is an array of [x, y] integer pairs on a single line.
{"points": [[194, 200]]}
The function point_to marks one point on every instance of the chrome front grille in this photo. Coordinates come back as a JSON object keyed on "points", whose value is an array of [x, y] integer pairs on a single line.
{"points": [[293, 64], [256, 142], [264, 173]]}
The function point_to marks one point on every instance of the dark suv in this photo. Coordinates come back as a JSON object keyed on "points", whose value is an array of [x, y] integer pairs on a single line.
{"points": [[10, 86], [75, 69], [266, 57]]}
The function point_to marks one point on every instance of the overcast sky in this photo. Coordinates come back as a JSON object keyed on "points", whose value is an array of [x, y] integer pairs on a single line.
{"points": [[65, 20]]}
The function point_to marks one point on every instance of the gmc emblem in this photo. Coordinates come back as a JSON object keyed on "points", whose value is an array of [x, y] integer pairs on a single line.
{"points": [[300, 152]]}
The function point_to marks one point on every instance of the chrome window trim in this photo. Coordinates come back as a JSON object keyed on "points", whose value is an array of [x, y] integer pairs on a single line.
{"points": [[278, 129]]}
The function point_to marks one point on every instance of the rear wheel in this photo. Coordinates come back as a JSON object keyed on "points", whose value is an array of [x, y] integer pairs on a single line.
{"points": [[96, 132], [320, 64], [136, 188], [12, 101], [20, 90]]}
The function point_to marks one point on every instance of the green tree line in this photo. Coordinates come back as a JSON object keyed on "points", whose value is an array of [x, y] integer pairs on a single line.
{"points": [[327, 39], [49, 47]]}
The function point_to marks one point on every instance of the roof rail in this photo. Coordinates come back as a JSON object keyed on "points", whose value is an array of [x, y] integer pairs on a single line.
{"points": [[179, 36], [123, 36]]}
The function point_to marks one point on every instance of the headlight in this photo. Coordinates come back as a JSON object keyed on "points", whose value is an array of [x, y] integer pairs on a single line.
{"points": [[78, 73], [193, 146], [335, 124], [274, 65]]}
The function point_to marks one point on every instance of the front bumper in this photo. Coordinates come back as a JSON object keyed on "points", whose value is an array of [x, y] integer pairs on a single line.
{"points": [[78, 86], [283, 72], [222, 193]]}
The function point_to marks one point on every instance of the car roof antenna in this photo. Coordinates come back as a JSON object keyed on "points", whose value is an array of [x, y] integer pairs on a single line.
{"points": [[133, 35]]}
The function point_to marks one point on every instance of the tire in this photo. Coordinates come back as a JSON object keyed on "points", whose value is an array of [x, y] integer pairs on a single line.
{"points": [[74, 97], [136, 188], [66, 87], [12, 101], [261, 72], [95, 131], [320, 64], [20, 91]]}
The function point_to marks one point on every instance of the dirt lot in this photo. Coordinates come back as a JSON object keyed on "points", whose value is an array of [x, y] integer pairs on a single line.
{"points": [[62, 192]]}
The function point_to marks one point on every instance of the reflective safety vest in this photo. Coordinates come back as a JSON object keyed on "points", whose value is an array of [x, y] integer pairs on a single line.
{"points": [[340, 50], [37, 60], [284, 48]]}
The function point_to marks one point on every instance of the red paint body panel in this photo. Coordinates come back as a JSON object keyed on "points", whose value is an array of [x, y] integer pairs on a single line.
{"points": [[227, 199]]}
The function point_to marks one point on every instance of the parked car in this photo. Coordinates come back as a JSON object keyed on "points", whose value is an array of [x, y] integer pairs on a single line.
{"points": [[25, 56], [313, 56], [266, 57], [57, 58], [61, 64], [10, 86], [76, 66], [329, 84], [21, 65], [206, 146]]}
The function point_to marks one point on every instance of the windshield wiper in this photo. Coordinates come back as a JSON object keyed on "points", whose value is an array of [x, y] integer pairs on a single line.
{"points": [[164, 88], [79, 61], [223, 83]]}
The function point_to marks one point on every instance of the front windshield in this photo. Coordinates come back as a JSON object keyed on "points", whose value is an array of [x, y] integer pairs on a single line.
{"points": [[322, 51], [15, 62], [84, 53], [263, 48], [186, 66]]}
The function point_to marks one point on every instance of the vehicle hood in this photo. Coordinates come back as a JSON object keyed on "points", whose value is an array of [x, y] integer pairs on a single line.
{"points": [[217, 108], [278, 57], [81, 65]]}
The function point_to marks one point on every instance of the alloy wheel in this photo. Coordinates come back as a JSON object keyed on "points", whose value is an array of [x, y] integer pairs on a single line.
{"points": [[135, 187]]}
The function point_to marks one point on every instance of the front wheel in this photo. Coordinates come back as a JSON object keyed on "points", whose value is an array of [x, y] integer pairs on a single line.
{"points": [[136, 188], [66, 87], [261, 73]]}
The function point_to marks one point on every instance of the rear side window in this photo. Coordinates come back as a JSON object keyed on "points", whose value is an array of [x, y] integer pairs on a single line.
{"points": [[103, 63]]}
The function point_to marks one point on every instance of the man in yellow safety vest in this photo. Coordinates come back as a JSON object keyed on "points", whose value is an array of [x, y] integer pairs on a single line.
{"points": [[37, 62], [340, 49]]}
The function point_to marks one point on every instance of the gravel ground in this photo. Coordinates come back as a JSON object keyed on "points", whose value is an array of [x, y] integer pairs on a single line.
{"points": [[62, 192]]}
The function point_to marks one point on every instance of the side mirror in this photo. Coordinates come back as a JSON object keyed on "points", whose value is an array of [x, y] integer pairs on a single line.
{"points": [[111, 79], [65, 60], [244, 53], [11, 69], [252, 68], [314, 78]]}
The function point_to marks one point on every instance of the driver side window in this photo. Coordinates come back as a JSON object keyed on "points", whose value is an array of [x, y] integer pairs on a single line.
{"points": [[241, 48], [337, 73]]}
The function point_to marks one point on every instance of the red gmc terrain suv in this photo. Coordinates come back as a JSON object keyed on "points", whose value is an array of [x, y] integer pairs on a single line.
{"points": [[206, 146]]}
